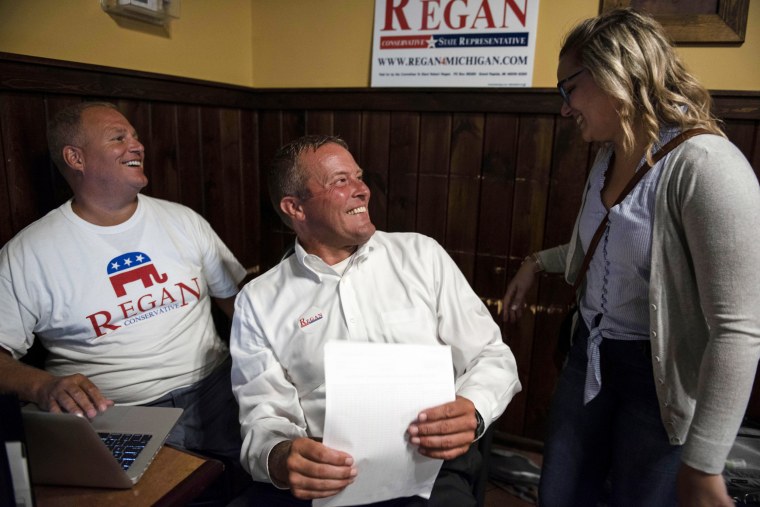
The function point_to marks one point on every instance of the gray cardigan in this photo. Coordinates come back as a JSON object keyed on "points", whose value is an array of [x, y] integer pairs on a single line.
{"points": [[704, 294]]}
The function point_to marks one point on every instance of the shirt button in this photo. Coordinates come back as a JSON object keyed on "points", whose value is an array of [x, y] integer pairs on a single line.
{"points": [[654, 334], [675, 440], [657, 358], [661, 381], [653, 307]]}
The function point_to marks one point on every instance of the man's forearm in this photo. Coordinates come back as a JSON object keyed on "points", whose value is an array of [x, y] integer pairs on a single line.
{"points": [[21, 379], [227, 305]]}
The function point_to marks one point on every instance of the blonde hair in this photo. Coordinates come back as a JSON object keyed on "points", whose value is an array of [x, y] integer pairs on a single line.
{"points": [[632, 59]]}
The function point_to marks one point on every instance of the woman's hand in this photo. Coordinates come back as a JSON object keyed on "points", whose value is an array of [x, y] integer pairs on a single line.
{"points": [[699, 489], [518, 287]]}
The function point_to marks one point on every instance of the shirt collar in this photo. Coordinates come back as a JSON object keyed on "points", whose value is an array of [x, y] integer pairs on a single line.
{"points": [[315, 265]]}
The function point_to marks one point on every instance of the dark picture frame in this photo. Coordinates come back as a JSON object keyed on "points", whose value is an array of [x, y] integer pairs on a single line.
{"points": [[726, 26]]}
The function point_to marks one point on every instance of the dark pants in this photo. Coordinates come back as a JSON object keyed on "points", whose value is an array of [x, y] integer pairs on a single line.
{"points": [[209, 423], [615, 448], [453, 488]]}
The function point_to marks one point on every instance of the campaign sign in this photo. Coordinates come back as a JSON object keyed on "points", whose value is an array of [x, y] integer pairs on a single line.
{"points": [[454, 43]]}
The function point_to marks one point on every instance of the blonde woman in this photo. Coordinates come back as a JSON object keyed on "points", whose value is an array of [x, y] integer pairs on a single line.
{"points": [[667, 338]]}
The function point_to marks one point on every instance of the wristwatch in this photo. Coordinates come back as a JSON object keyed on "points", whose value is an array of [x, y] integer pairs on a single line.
{"points": [[481, 427]]}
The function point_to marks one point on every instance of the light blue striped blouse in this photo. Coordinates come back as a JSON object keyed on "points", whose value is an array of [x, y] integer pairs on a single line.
{"points": [[617, 282]]}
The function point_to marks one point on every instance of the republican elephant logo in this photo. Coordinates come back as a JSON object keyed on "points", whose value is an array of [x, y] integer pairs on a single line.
{"points": [[133, 267]]}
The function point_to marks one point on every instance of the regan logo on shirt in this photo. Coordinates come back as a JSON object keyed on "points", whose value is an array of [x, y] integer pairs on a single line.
{"points": [[133, 267], [135, 273], [311, 320]]}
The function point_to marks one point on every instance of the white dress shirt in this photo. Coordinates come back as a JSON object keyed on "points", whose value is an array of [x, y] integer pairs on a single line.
{"points": [[397, 288]]}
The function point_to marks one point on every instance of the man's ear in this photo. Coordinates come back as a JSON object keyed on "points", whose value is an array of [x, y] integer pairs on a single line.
{"points": [[291, 207], [73, 157]]}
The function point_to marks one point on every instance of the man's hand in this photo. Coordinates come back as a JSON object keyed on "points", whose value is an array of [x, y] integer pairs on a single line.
{"points": [[445, 431], [75, 394], [310, 469], [699, 489]]}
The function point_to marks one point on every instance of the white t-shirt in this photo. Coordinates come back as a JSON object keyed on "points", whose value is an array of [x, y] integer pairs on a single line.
{"points": [[397, 288], [128, 305]]}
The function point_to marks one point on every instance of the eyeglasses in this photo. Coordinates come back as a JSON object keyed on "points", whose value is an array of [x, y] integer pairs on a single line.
{"points": [[560, 86]]}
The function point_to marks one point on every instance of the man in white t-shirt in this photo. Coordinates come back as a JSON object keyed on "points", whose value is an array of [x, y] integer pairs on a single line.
{"points": [[347, 281], [118, 287]]}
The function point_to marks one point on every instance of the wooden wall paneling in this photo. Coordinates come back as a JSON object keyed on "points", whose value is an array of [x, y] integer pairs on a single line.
{"points": [[29, 187], [465, 167], [6, 228], [161, 153], [570, 164], [500, 142], [733, 105], [319, 122], [231, 179], [495, 209], [533, 167], [61, 190], [742, 134], [568, 173], [403, 163], [251, 191], [33, 74], [373, 158], [348, 125], [531, 184], [189, 152], [435, 145], [211, 158], [293, 125], [519, 338], [540, 382], [272, 228]]}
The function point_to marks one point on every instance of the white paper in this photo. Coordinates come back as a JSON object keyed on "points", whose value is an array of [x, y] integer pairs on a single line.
{"points": [[374, 391]]}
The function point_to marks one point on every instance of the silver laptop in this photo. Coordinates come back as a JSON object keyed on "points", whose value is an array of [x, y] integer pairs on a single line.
{"points": [[66, 449]]}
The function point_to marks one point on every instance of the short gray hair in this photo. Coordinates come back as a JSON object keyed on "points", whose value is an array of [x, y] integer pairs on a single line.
{"points": [[286, 176], [66, 129]]}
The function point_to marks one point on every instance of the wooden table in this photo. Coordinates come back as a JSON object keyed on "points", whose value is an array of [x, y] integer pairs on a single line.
{"points": [[174, 478]]}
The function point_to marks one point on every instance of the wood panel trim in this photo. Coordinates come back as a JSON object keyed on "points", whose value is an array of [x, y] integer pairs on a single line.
{"points": [[42, 75]]}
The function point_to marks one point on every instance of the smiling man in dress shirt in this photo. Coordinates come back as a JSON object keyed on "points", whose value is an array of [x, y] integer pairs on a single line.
{"points": [[347, 281]]}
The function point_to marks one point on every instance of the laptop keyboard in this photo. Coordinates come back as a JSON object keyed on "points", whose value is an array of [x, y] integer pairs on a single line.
{"points": [[125, 446]]}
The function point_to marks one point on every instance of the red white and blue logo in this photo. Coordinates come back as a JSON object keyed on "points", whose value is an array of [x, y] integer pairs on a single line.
{"points": [[149, 294], [133, 267]]}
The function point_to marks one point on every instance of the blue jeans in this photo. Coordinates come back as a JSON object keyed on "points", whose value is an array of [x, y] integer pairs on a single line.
{"points": [[615, 449]]}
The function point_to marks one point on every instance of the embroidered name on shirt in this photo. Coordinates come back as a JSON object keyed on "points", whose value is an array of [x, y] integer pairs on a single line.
{"points": [[310, 320]]}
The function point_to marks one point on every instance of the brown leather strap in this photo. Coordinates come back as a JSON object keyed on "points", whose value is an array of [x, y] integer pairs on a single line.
{"points": [[683, 136]]}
